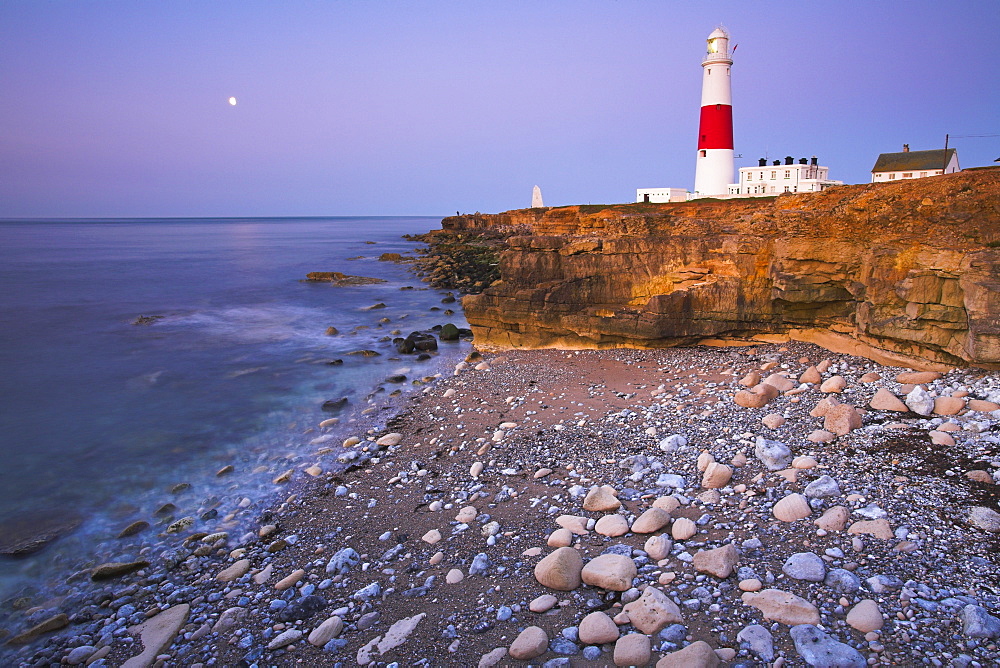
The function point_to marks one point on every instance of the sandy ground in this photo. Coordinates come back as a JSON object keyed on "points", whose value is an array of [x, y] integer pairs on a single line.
{"points": [[563, 411]]}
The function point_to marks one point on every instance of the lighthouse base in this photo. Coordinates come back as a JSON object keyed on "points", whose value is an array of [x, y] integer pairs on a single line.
{"points": [[713, 172]]}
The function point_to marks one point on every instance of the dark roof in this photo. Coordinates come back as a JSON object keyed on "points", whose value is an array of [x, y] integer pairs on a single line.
{"points": [[898, 162]]}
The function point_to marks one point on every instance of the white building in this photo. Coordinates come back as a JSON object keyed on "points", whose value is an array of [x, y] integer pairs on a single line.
{"points": [[661, 195], [804, 176], [914, 164]]}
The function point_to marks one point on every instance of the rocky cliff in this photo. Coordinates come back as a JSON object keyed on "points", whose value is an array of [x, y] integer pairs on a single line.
{"points": [[905, 272]]}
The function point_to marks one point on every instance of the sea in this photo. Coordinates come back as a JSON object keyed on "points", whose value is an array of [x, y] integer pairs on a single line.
{"points": [[139, 357]]}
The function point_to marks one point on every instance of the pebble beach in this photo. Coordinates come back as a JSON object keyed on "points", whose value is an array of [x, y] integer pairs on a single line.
{"points": [[772, 505]]}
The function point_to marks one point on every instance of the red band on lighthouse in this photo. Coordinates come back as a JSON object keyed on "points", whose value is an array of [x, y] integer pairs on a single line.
{"points": [[716, 127]]}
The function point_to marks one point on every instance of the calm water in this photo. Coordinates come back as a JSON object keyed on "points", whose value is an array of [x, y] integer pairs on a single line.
{"points": [[101, 418]]}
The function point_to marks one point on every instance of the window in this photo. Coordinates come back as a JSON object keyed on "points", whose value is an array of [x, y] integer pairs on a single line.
{"points": [[907, 175], [787, 188], [788, 173], [774, 175], [702, 153], [923, 174], [892, 177]]}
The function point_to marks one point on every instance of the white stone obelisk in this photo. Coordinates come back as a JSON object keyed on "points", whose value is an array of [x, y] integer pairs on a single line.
{"points": [[536, 198], [715, 164]]}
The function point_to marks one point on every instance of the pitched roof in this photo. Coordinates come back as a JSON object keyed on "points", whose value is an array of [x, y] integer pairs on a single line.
{"points": [[897, 162]]}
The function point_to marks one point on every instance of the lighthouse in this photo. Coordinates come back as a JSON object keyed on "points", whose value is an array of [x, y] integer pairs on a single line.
{"points": [[714, 167]]}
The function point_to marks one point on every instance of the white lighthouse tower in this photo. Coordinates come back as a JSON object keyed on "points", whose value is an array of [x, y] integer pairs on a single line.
{"points": [[715, 165]]}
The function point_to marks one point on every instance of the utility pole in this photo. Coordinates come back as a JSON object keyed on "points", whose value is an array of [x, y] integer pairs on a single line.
{"points": [[944, 170]]}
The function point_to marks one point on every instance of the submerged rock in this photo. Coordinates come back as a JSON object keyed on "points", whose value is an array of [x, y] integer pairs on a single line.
{"points": [[338, 278], [334, 405], [29, 533], [116, 569]]}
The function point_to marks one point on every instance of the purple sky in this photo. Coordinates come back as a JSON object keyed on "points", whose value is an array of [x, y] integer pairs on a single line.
{"points": [[398, 108]]}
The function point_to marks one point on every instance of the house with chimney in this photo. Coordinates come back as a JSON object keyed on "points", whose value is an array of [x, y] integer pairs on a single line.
{"points": [[914, 164]]}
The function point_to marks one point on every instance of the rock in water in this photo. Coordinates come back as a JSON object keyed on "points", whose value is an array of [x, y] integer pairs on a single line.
{"points": [[134, 528], [115, 569], [334, 405], [337, 278], [819, 649], [25, 534], [51, 624]]}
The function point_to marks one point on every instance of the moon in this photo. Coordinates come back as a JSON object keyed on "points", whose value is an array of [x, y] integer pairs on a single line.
{"points": [[232, 101]]}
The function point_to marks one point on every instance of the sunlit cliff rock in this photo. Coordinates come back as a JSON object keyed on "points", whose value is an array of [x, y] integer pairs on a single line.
{"points": [[905, 272]]}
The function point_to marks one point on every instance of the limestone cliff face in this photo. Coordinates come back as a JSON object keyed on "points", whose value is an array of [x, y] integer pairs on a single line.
{"points": [[905, 272]]}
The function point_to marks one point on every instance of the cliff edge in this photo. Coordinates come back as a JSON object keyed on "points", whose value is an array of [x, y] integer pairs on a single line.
{"points": [[905, 272]]}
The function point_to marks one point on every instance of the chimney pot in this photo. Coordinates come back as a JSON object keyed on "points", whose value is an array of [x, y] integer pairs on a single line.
{"points": [[762, 162], [906, 148], [789, 160]]}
